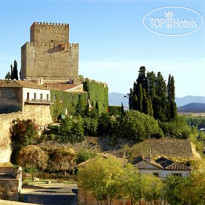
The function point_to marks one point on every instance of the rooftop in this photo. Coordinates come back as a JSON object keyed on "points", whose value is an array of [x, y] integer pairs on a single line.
{"points": [[21, 84], [162, 163]]}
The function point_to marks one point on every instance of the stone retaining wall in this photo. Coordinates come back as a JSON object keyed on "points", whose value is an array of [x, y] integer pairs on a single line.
{"points": [[39, 113]]}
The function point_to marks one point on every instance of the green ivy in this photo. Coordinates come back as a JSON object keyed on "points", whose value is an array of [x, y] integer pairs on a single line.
{"points": [[97, 94], [63, 100]]}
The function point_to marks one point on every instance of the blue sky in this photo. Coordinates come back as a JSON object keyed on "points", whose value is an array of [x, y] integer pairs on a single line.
{"points": [[113, 40]]}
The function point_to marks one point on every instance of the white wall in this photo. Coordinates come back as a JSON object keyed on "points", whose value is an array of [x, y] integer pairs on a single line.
{"points": [[164, 173], [38, 93]]}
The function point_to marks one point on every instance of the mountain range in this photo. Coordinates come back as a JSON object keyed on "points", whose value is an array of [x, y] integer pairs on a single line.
{"points": [[192, 102]]}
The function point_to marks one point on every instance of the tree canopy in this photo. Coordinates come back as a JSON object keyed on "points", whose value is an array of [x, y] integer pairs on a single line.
{"points": [[151, 95]]}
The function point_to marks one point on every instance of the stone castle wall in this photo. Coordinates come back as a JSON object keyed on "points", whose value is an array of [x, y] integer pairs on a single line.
{"points": [[49, 55], [49, 32], [49, 61], [39, 113]]}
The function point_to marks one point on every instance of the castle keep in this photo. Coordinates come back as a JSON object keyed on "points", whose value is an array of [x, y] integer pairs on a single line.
{"points": [[49, 55]]}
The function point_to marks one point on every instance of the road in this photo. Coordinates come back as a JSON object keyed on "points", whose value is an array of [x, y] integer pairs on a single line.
{"points": [[50, 194]]}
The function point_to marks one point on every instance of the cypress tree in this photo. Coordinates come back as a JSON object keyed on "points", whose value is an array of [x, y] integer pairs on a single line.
{"points": [[15, 70], [173, 107], [140, 99], [152, 96], [12, 73], [145, 103], [160, 105]]}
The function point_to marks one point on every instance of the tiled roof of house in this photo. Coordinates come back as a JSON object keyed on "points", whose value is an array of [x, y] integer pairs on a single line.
{"points": [[177, 166], [20, 83], [162, 163]]}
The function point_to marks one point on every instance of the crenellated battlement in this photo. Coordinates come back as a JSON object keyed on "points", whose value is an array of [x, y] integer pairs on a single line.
{"points": [[50, 45], [49, 55], [50, 24]]}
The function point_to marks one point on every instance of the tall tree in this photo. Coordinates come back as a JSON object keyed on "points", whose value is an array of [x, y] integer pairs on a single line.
{"points": [[15, 70], [12, 73], [139, 98], [160, 100], [8, 76], [152, 96], [171, 105]]}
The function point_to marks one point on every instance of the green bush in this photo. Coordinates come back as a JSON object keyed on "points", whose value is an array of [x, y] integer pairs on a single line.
{"points": [[137, 126], [90, 126], [177, 128], [72, 130], [84, 155]]}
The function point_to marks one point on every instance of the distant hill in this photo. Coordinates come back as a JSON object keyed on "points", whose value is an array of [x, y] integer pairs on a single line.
{"points": [[193, 108], [118, 99], [189, 99]]}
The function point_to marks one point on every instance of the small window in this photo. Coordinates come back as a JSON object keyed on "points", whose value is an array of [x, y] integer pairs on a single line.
{"points": [[27, 98], [41, 97], [47, 97], [34, 96]]}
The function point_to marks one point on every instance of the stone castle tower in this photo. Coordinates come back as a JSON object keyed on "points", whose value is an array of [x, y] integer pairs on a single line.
{"points": [[49, 55]]}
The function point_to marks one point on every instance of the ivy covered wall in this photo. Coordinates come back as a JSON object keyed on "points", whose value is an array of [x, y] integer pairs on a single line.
{"points": [[96, 92], [63, 100]]}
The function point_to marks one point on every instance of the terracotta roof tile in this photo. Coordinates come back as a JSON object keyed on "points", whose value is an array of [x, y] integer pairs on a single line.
{"points": [[19, 83]]}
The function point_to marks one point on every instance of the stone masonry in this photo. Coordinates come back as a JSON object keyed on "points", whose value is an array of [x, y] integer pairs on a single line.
{"points": [[49, 55]]}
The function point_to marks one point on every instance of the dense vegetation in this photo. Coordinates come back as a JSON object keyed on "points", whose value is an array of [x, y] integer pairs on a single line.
{"points": [[151, 95], [97, 94], [107, 178], [69, 101], [92, 102], [196, 121], [14, 72]]}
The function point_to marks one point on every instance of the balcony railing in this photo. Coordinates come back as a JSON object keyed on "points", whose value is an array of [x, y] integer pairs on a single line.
{"points": [[38, 101]]}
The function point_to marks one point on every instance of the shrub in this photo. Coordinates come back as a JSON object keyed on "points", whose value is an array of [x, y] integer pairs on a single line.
{"points": [[84, 155], [136, 126], [31, 157], [24, 132], [90, 126], [62, 159], [177, 128], [72, 130]]}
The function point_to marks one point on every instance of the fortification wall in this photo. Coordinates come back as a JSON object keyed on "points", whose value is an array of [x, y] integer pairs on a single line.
{"points": [[39, 113], [50, 61]]}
